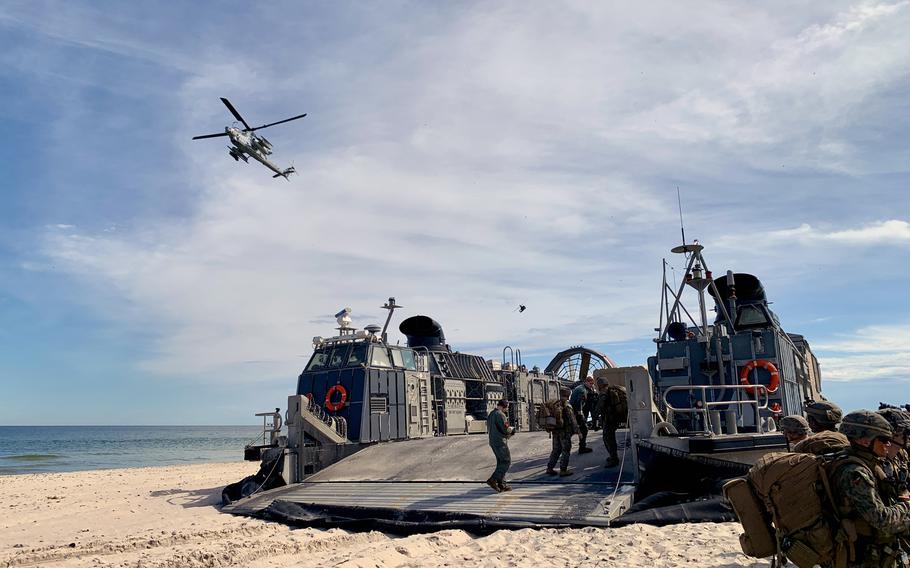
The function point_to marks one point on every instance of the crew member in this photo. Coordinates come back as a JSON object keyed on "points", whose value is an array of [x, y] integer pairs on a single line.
{"points": [[579, 401], [499, 431], [562, 437]]}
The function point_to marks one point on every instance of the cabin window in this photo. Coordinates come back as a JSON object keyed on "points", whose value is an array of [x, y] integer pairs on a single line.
{"points": [[338, 357], [358, 355], [751, 316], [318, 361], [408, 357], [380, 357]]}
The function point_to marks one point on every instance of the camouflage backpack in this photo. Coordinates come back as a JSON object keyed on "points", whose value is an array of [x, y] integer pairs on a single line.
{"points": [[825, 442], [613, 405], [786, 507], [549, 416]]}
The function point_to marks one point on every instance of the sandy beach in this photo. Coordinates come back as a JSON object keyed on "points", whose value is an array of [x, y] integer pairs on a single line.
{"points": [[169, 517]]}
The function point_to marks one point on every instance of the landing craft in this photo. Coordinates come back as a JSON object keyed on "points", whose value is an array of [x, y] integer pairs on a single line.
{"points": [[246, 144], [379, 435]]}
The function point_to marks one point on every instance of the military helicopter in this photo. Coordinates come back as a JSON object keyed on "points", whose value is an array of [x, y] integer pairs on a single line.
{"points": [[246, 143]]}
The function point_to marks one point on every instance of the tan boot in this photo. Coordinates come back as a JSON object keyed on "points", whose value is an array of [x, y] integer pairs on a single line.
{"points": [[494, 484], [565, 472]]}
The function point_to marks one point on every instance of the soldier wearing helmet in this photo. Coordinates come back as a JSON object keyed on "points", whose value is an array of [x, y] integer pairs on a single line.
{"points": [[895, 465], [822, 417], [856, 483], [562, 438], [794, 428]]}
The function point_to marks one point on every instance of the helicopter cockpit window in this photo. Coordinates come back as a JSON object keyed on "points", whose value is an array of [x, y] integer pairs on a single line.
{"points": [[318, 361], [339, 354], [750, 316], [380, 357], [358, 355]]}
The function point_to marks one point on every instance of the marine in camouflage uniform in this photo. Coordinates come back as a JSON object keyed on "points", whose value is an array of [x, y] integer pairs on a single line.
{"points": [[895, 464], [562, 438], [794, 428], [857, 490], [580, 400], [610, 420], [499, 432], [823, 416]]}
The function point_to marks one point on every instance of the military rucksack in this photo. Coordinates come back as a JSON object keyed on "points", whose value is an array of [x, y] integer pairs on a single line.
{"points": [[614, 404], [824, 442], [549, 416], [786, 506]]}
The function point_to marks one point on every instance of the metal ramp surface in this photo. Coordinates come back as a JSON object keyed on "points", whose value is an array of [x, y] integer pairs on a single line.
{"points": [[437, 483]]}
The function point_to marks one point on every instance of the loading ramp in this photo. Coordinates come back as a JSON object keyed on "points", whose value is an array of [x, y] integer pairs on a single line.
{"points": [[433, 483]]}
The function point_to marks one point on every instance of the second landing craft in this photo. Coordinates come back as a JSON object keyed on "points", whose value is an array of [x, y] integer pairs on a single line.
{"points": [[246, 143]]}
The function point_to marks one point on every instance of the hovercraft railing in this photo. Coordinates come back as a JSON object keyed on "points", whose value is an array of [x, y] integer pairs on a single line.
{"points": [[336, 423], [757, 399]]}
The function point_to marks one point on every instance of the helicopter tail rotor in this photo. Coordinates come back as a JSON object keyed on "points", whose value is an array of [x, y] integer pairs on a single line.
{"points": [[286, 173]]}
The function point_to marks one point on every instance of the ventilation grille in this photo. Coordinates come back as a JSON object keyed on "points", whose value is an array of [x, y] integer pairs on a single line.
{"points": [[379, 405]]}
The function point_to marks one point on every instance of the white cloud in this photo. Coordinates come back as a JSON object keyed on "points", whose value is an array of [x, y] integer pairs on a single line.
{"points": [[873, 352], [503, 156], [891, 232]]}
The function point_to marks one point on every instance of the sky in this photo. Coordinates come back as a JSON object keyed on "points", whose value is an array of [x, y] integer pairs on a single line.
{"points": [[463, 157]]}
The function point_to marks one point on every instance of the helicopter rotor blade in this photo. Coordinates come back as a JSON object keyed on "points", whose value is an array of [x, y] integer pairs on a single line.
{"points": [[210, 136], [236, 114], [274, 123]]}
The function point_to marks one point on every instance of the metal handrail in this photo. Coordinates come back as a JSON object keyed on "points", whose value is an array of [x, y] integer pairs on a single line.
{"points": [[337, 423], [707, 405]]}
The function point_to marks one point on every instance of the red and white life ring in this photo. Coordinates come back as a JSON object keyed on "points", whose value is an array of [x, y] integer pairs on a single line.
{"points": [[773, 383], [336, 406]]}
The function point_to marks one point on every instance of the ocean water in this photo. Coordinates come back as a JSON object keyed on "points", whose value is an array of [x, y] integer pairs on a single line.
{"points": [[40, 449]]}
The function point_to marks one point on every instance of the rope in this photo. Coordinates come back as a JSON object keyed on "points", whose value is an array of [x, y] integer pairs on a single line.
{"points": [[622, 463]]}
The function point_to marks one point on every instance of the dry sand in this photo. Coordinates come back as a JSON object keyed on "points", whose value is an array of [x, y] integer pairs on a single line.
{"points": [[168, 516]]}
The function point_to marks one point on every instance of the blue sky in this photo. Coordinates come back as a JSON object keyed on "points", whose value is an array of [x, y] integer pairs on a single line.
{"points": [[463, 157]]}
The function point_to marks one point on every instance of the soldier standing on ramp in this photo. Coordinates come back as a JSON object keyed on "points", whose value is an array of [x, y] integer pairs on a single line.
{"points": [[579, 401], [613, 410], [499, 432], [562, 438]]}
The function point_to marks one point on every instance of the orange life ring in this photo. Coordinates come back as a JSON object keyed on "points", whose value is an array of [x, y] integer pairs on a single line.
{"points": [[335, 406], [773, 384]]}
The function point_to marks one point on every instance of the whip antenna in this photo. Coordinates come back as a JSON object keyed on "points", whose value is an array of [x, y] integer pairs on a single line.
{"points": [[682, 228]]}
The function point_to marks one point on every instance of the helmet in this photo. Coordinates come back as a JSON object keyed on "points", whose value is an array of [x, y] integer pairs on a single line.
{"points": [[897, 418], [864, 424], [794, 424], [824, 412]]}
